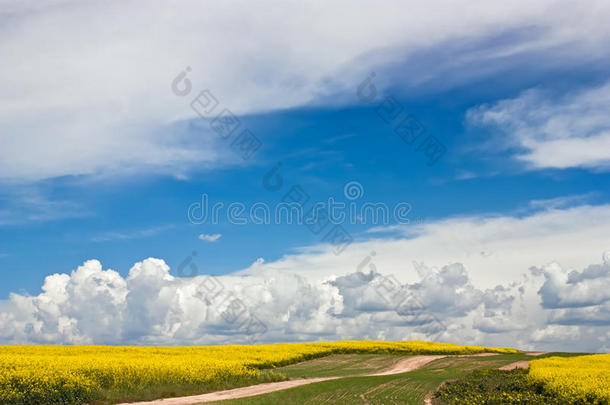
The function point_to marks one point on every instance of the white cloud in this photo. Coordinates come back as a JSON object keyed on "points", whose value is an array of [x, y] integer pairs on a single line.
{"points": [[94, 78], [495, 280], [210, 238], [556, 332], [573, 289], [83, 307], [560, 202], [550, 131], [150, 306], [130, 234], [590, 315], [496, 249]]}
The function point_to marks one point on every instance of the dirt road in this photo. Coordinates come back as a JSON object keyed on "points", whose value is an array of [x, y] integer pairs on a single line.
{"points": [[524, 364], [242, 392], [518, 364], [402, 366], [409, 363]]}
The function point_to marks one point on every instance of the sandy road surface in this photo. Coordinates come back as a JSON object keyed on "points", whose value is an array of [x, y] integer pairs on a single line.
{"points": [[242, 392], [523, 363], [518, 364], [409, 363]]}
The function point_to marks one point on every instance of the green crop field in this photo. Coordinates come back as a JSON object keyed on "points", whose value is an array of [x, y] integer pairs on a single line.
{"points": [[407, 388]]}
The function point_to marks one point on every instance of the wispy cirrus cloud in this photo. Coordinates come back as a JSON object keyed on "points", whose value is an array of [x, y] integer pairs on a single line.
{"points": [[546, 130], [561, 202], [130, 234], [31, 205]]}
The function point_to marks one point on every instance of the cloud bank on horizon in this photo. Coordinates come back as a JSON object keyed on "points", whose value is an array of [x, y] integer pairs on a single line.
{"points": [[315, 295], [549, 308]]}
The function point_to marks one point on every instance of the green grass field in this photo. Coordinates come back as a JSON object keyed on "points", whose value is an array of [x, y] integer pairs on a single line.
{"points": [[340, 365], [407, 388]]}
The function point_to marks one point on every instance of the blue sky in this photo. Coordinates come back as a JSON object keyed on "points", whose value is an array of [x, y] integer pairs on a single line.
{"points": [[101, 161]]}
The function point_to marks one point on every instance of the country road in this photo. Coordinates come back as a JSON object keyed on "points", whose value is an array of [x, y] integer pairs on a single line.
{"points": [[404, 365]]}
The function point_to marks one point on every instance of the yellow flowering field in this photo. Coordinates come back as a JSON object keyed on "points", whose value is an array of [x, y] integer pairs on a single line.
{"points": [[79, 374], [580, 378]]}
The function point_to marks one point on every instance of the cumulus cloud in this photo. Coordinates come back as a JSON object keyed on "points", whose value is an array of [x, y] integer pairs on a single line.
{"points": [[590, 315], [150, 306], [553, 333], [83, 307], [96, 76], [533, 288], [550, 131], [209, 238], [574, 289]]}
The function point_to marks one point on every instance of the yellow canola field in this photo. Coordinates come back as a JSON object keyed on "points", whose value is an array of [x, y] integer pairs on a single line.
{"points": [[79, 374], [580, 378]]}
